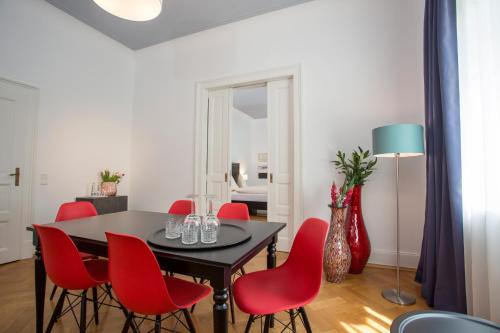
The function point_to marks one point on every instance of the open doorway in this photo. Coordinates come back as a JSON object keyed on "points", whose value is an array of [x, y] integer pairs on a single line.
{"points": [[249, 149], [217, 161]]}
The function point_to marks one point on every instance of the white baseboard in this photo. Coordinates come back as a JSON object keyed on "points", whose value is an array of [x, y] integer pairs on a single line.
{"points": [[27, 249], [388, 258], [283, 244]]}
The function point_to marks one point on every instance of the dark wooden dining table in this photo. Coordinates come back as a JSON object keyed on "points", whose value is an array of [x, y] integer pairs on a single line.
{"points": [[214, 265]]}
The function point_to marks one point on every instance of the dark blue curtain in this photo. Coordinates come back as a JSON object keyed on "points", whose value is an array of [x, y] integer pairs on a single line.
{"points": [[441, 267]]}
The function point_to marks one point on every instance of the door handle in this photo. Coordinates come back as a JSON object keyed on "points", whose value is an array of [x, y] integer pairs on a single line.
{"points": [[17, 174], [225, 177], [271, 177]]}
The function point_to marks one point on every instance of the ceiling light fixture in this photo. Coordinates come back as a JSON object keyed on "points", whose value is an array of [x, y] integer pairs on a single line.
{"points": [[133, 10]]}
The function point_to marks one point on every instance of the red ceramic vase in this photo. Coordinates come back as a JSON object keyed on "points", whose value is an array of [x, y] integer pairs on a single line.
{"points": [[357, 236]]}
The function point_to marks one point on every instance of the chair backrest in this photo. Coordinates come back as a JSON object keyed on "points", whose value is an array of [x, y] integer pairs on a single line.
{"points": [[306, 256], [234, 211], [62, 260], [75, 210], [136, 276], [182, 207]]}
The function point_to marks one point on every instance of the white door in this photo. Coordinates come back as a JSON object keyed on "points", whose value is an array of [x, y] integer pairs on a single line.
{"points": [[219, 102], [17, 104], [279, 207]]}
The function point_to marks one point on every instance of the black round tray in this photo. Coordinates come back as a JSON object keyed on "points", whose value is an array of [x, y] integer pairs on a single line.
{"points": [[229, 235]]}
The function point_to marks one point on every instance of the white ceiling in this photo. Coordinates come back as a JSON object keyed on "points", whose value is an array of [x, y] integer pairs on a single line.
{"points": [[251, 100], [178, 18]]}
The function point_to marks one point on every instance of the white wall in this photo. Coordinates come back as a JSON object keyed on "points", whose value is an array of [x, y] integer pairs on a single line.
{"points": [[361, 67], [259, 145], [241, 140], [86, 90], [248, 138]]}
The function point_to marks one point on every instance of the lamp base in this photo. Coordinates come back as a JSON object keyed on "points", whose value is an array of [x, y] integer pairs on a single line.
{"points": [[402, 299]]}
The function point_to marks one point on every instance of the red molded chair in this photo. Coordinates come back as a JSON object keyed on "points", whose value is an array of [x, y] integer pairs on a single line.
{"points": [[289, 287], [234, 211], [142, 288], [75, 210], [72, 211], [68, 271], [181, 207]]}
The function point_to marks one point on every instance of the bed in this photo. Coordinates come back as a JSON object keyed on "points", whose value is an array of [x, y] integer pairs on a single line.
{"points": [[255, 197]]}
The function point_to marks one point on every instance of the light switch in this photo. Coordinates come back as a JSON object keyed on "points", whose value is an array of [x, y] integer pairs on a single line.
{"points": [[44, 179]]}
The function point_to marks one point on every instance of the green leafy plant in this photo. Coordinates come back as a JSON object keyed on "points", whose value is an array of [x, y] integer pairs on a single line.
{"points": [[357, 168], [107, 176]]}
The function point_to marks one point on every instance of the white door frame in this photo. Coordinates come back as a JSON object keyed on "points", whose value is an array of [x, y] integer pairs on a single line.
{"points": [[202, 89], [27, 210]]}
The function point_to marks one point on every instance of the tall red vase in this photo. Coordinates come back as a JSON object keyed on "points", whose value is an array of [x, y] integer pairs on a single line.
{"points": [[357, 236]]}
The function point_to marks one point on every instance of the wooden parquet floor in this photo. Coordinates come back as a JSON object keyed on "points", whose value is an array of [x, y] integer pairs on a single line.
{"points": [[355, 306]]}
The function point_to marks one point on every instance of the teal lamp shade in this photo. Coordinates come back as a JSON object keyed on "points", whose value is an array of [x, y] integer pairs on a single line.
{"points": [[403, 139]]}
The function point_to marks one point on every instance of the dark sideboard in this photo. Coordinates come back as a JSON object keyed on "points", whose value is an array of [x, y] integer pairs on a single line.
{"points": [[107, 205]]}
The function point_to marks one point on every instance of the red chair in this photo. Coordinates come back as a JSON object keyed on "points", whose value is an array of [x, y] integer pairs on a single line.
{"points": [[75, 210], [142, 288], [72, 211], [181, 207], [234, 211], [289, 287], [68, 271]]}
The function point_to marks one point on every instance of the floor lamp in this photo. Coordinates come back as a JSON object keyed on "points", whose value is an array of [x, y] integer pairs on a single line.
{"points": [[396, 141]]}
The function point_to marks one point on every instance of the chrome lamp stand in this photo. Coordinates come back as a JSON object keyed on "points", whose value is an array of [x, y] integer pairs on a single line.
{"points": [[396, 295]]}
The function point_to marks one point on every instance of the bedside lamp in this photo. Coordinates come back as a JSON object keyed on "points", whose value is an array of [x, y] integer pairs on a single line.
{"points": [[396, 141]]}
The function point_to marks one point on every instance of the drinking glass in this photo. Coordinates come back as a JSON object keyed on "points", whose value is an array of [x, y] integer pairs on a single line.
{"points": [[172, 228], [209, 225], [190, 227], [94, 191]]}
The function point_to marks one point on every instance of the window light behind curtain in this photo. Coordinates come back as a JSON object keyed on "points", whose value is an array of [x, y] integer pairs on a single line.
{"points": [[479, 69]]}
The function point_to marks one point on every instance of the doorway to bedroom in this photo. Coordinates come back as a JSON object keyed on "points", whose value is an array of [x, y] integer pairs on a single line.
{"points": [[220, 161], [249, 149]]}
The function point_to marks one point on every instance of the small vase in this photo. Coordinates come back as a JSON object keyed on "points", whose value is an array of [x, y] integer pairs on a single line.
{"points": [[108, 189], [357, 236], [337, 256]]}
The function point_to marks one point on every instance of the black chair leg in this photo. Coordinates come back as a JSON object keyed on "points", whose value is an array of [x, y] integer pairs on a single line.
{"points": [[57, 311], [83, 312], [125, 328], [292, 320], [189, 320], [96, 305], [158, 324], [267, 324], [242, 271], [53, 293], [249, 323], [231, 302], [192, 308], [307, 325]]}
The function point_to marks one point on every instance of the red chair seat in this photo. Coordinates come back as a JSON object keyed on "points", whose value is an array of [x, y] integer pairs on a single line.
{"points": [[97, 269], [184, 293], [87, 256], [271, 291]]}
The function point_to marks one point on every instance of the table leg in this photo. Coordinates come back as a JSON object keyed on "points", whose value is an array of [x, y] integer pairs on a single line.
{"points": [[40, 280], [271, 263], [220, 310]]}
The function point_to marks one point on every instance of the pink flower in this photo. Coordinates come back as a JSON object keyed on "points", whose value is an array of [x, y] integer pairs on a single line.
{"points": [[334, 193]]}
